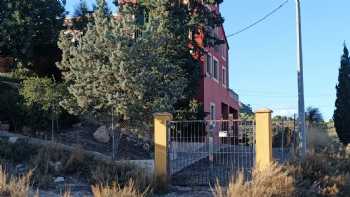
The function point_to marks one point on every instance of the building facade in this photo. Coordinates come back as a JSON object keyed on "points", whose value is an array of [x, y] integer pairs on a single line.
{"points": [[219, 101]]}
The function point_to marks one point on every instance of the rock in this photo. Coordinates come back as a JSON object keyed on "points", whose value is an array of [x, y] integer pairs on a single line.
{"points": [[59, 179], [347, 149], [13, 140], [5, 127], [102, 134]]}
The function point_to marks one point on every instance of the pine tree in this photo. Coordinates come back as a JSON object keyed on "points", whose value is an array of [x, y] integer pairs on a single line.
{"points": [[183, 22], [110, 68], [27, 26], [342, 104]]}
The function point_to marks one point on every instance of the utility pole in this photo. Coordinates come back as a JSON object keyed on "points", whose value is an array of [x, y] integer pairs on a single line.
{"points": [[301, 105]]}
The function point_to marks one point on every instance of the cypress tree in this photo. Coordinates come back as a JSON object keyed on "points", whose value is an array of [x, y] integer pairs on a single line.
{"points": [[342, 104]]}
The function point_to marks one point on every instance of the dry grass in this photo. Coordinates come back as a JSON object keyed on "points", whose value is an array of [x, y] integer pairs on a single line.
{"points": [[67, 193], [12, 186], [109, 173], [128, 190], [323, 173], [271, 182]]}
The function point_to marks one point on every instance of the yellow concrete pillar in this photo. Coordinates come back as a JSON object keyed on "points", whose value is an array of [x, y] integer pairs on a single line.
{"points": [[161, 147], [263, 131]]}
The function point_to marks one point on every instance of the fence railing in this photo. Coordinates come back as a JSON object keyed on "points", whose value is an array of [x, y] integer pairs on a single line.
{"points": [[201, 152]]}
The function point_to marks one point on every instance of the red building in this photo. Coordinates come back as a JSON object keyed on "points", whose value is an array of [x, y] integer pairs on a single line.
{"points": [[218, 99]]}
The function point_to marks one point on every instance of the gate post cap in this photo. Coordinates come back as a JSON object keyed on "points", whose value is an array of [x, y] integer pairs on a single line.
{"points": [[263, 110], [163, 114]]}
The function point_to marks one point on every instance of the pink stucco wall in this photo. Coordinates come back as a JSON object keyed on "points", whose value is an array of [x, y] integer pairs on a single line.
{"points": [[214, 91]]}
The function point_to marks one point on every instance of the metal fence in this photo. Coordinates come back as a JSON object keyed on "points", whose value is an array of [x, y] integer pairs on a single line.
{"points": [[284, 139], [203, 152]]}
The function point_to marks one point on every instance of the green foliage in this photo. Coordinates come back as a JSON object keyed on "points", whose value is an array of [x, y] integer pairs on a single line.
{"points": [[247, 117], [20, 151], [31, 105], [342, 114], [14, 111], [195, 111], [110, 68], [176, 22], [25, 25], [43, 92]]}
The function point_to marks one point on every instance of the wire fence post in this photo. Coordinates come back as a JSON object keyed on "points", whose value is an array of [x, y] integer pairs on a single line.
{"points": [[113, 137]]}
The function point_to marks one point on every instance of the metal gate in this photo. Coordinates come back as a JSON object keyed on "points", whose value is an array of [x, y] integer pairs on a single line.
{"points": [[205, 151]]}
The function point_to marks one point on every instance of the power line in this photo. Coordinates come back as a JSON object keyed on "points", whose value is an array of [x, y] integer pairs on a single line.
{"points": [[260, 20]]}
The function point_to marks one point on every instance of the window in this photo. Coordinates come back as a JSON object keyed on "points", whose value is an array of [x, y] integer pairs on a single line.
{"points": [[212, 111], [217, 47], [223, 51], [216, 69], [209, 65], [224, 77]]}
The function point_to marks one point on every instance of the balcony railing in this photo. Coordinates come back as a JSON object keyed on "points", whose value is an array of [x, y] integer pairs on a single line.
{"points": [[233, 94]]}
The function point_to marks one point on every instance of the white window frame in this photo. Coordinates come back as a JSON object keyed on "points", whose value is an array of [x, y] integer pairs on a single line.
{"points": [[223, 52], [216, 78], [224, 77], [210, 71]]}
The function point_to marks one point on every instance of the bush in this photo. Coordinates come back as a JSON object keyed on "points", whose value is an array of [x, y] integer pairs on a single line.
{"points": [[268, 183], [323, 173], [20, 151], [14, 111]]}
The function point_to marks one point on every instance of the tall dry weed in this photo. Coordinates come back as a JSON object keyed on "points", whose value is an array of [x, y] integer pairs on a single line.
{"points": [[271, 182], [13, 186], [129, 190]]}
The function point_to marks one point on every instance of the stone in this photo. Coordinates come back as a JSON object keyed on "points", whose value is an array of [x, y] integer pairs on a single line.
{"points": [[59, 179], [102, 135], [13, 140]]}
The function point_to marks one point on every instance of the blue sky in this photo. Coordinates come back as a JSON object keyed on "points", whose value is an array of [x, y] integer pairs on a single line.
{"points": [[263, 59]]}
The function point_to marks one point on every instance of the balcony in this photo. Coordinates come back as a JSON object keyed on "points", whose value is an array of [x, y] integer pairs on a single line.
{"points": [[233, 95]]}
